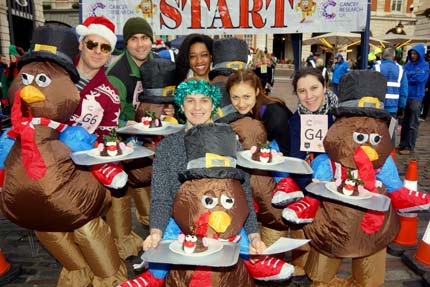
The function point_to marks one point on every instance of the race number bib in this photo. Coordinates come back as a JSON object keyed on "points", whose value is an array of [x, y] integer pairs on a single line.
{"points": [[91, 115], [263, 69], [312, 132]]}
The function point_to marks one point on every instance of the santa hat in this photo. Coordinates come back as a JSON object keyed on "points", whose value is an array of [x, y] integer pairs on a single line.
{"points": [[97, 25]]}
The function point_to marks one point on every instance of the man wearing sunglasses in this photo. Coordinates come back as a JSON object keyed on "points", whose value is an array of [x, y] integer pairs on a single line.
{"points": [[99, 107], [124, 74], [98, 113]]}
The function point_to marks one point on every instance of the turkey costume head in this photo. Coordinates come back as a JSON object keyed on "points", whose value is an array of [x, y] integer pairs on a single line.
{"points": [[211, 200], [361, 127], [45, 85]]}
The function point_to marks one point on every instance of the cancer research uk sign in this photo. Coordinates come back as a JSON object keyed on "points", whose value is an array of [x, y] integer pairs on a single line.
{"points": [[179, 17]]}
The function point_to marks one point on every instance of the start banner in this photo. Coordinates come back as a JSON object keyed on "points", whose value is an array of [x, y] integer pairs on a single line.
{"points": [[180, 17]]}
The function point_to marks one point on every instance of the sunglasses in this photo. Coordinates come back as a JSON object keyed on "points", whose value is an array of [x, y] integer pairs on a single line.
{"points": [[91, 45]]}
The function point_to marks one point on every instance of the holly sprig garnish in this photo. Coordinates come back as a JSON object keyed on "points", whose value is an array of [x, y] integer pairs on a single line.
{"points": [[352, 178], [151, 114], [264, 145], [112, 137]]}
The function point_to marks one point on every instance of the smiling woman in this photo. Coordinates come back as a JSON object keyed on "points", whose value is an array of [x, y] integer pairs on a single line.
{"points": [[195, 54]]}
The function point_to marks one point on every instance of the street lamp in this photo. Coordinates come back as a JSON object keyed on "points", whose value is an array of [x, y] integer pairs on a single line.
{"points": [[399, 28]]}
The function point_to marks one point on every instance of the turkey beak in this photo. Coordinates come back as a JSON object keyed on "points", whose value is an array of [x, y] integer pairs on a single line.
{"points": [[370, 152], [31, 94], [219, 221]]}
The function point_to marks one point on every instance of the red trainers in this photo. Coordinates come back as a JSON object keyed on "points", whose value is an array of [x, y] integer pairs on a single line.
{"points": [[302, 211], [270, 268], [286, 192], [144, 279], [406, 200], [110, 175]]}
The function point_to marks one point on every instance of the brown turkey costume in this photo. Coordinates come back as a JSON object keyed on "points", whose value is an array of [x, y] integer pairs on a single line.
{"points": [[43, 189], [159, 82], [358, 143], [251, 132], [212, 198]]}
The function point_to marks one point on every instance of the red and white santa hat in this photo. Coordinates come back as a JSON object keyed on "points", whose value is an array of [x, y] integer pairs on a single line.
{"points": [[97, 25]]}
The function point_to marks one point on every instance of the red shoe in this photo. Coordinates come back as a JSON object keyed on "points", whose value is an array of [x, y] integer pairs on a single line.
{"points": [[302, 211], [406, 200], [286, 192], [269, 268], [110, 175], [144, 279]]}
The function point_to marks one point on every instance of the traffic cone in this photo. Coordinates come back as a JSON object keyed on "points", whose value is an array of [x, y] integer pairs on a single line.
{"points": [[4, 265], [8, 272], [406, 239], [423, 252], [419, 261], [411, 178]]}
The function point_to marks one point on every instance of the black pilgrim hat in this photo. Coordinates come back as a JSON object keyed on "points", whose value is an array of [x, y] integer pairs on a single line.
{"points": [[53, 43], [211, 153], [228, 54], [159, 81], [362, 93]]}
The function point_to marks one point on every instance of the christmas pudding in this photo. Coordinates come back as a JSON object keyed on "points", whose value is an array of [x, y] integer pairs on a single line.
{"points": [[150, 120], [351, 185], [193, 243], [112, 146], [262, 153]]}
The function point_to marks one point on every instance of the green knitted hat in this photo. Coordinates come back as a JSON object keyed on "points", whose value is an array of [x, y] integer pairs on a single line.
{"points": [[136, 25]]}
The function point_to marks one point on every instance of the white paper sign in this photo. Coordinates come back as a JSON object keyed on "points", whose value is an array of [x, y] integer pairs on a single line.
{"points": [[312, 132]]}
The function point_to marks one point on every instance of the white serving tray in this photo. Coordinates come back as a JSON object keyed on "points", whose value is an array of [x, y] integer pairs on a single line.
{"points": [[84, 157], [289, 164], [227, 256], [138, 129], [376, 201]]}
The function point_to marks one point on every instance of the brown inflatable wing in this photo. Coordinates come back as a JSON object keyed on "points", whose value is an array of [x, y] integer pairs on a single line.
{"points": [[252, 132], [64, 199], [336, 231]]}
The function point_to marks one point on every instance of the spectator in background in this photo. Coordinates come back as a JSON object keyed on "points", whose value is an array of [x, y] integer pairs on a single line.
{"points": [[263, 68], [417, 72], [341, 67], [399, 56], [426, 99], [312, 61], [378, 54], [194, 57], [371, 58], [397, 85], [320, 66]]}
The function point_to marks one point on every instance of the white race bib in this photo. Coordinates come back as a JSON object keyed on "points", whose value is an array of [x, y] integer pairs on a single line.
{"points": [[312, 133]]}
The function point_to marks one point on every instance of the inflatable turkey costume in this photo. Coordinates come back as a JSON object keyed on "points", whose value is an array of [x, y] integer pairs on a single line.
{"points": [[43, 189], [358, 147], [211, 198]]}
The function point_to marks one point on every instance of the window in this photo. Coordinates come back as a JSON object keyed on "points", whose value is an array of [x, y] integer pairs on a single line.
{"points": [[396, 5], [249, 40]]}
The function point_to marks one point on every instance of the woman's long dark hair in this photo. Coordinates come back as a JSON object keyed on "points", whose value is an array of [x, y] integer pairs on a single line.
{"points": [[182, 63]]}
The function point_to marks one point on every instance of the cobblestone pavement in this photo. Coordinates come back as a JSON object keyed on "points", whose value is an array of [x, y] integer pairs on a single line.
{"points": [[39, 268]]}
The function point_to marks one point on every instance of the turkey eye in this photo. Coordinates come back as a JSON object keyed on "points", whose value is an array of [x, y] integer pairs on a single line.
{"points": [[27, 79], [360, 138], [188, 237], [43, 80], [193, 238], [375, 139], [209, 202], [227, 202]]}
